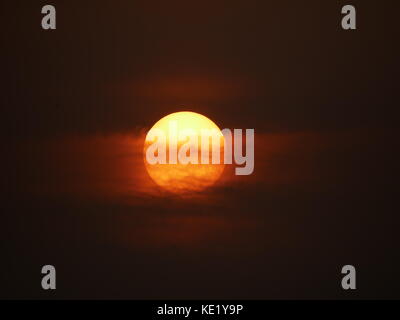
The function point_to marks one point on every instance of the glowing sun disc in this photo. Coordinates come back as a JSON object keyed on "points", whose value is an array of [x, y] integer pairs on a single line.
{"points": [[184, 178]]}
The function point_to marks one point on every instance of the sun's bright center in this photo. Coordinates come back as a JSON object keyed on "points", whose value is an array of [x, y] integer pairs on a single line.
{"points": [[185, 178]]}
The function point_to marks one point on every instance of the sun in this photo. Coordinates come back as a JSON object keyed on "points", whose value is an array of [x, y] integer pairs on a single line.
{"points": [[195, 176]]}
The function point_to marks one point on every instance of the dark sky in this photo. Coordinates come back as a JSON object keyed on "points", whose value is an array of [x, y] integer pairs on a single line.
{"points": [[77, 101]]}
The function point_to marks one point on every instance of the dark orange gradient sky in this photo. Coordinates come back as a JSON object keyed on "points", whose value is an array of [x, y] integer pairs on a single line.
{"points": [[77, 103]]}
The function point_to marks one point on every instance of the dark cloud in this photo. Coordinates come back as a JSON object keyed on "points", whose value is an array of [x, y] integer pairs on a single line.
{"points": [[314, 202]]}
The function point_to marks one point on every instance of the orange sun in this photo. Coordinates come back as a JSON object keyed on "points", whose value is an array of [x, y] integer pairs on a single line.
{"points": [[189, 177]]}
